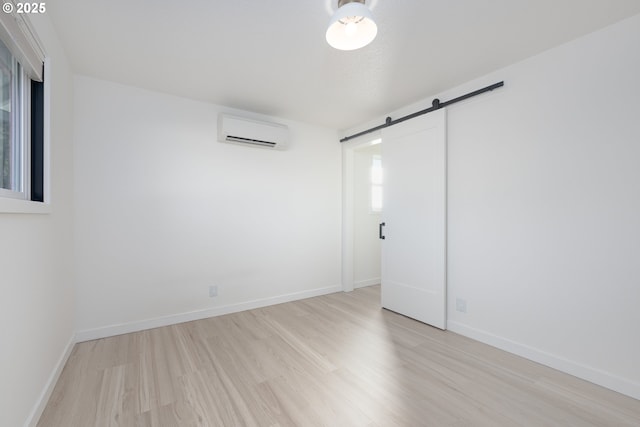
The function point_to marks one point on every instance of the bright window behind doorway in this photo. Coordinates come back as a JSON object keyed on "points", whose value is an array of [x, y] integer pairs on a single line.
{"points": [[376, 183]]}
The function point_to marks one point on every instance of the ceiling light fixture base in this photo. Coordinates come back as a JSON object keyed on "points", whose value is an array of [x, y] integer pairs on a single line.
{"points": [[343, 2]]}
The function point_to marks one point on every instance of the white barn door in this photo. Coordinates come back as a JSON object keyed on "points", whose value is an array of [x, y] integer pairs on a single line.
{"points": [[414, 217]]}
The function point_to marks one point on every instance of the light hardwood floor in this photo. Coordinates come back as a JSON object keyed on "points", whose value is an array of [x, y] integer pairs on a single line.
{"points": [[335, 360]]}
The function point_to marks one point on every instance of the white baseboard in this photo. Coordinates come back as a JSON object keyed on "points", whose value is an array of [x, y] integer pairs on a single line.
{"points": [[367, 282], [596, 376], [125, 328], [43, 399]]}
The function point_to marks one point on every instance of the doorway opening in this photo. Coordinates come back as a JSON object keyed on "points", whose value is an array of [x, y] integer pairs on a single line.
{"points": [[362, 208]]}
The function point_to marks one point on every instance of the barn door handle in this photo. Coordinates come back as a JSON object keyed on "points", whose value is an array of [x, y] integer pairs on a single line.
{"points": [[382, 224]]}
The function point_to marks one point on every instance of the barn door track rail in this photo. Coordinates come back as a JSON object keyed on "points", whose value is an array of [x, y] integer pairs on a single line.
{"points": [[435, 105]]}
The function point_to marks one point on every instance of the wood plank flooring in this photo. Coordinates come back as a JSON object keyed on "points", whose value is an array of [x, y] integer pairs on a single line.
{"points": [[335, 360]]}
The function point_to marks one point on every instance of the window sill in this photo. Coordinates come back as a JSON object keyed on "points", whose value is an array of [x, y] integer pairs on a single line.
{"points": [[8, 205]]}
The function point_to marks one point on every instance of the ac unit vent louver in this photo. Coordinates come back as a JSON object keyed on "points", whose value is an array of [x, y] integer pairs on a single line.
{"points": [[241, 140], [254, 133]]}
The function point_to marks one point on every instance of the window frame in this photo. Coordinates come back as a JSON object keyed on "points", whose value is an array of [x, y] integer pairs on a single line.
{"points": [[27, 206], [33, 195]]}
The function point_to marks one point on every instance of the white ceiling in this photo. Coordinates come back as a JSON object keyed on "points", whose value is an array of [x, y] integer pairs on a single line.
{"points": [[270, 56]]}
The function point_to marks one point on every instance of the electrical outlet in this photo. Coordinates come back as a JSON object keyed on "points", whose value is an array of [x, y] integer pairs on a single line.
{"points": [[461, 305], [213, 291]]}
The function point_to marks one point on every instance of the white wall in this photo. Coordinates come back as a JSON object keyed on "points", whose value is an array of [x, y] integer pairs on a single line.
{"points": [[163, 211], [366, 266], [36, 272], [544, 208]]}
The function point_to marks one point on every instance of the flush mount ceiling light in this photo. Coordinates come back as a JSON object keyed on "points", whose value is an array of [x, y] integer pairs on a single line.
{"points": [[351, 26]]}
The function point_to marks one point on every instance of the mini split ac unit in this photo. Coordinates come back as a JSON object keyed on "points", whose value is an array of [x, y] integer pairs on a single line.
{"points": [[238, 130]]}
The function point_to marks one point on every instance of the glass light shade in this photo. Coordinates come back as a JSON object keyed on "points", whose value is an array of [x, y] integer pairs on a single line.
{"points": [[351, 27]]}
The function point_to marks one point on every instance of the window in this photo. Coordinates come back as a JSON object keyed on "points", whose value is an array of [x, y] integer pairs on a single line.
{"points": [[376, 183], [21, 111], [12, 155]]}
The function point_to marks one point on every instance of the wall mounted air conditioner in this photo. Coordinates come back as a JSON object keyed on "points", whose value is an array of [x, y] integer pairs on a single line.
{"points": [[255, 133]]}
